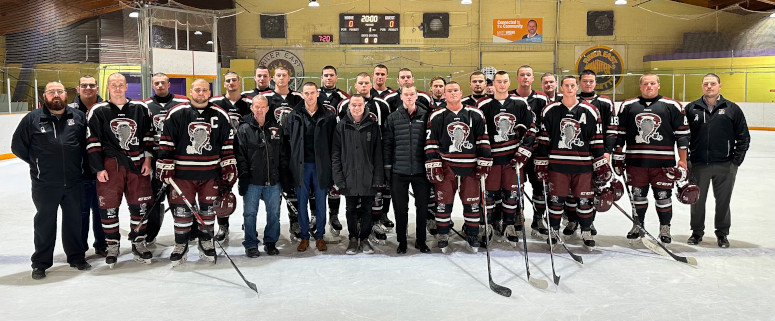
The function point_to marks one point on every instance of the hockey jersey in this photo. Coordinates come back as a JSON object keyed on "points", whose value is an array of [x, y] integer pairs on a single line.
{"points": [[255, 92], [381, 94], [650, 129], [123, 133], [197, 139], [537, 100], [394, 100], [438, 103], [504, 121], [571, 137], [280, 106], [236, 110], [458, 139], [377, 108], [331, 97], [605, 106], [159, 106], [472, 100]]}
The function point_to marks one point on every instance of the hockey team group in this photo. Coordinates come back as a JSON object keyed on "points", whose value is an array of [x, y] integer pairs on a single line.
{"points": [[313, 147]]}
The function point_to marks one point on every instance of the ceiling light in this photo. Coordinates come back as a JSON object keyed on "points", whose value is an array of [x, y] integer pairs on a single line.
{"points": [[620, 2], [210, 42], [134, 14], [466, 1], [198, 33], [313, 3], [772, 15]]}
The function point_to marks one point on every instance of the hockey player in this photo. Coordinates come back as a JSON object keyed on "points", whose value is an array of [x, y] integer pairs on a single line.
{"points": [[357, 150], [196, 153], [457, 151], [120, 143], [437, 89], [237, 105], [570, 157], [380, 89], [549, 86], [329, 95], [511, 125], [378, 110], [478, 82], [651, 126], [159, 104], [262, 82], [405, 77], [537, 101], [605, 107]]}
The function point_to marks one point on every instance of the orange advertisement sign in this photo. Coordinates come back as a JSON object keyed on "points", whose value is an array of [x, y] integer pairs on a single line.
{"points": [[526, 30]]}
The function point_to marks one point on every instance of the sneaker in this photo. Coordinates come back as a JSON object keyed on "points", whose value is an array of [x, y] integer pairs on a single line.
{"points": [[38, 273], [431, 226], [722, 240], [570, 229], [223, 234], [443, 242], [320, 245], [303, 245], [206, 250], [352, 247], [112, 255], [635, 233], [178, 255], [694, 239], [472, 242], [271, 249], [664, 234], [81, 266], [252, 252], [401, 249], [366, 247], [589, 240], [141, 253], [420, 245]]}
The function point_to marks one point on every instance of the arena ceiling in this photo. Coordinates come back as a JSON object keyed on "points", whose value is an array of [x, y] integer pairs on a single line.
{"points": [[753, 5]]}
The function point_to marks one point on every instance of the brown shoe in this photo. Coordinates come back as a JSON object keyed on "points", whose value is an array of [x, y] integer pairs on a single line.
{"points": [[320, 244], [303, 245]]}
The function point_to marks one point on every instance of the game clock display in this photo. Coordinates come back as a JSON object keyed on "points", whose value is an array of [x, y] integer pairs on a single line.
{"points": [[322, 38], [368, 29]]}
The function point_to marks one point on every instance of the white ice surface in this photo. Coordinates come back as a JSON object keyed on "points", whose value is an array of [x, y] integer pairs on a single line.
{"points": [[616, 282]]}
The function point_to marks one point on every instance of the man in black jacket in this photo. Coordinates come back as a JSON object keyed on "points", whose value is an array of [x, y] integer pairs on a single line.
{"points": [[719, 141], [404, 153], [356, 160], [51, 140], [259, 156]]}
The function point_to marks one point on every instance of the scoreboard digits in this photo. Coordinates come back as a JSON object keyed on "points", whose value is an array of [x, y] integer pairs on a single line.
{"points": [[369, 29]]}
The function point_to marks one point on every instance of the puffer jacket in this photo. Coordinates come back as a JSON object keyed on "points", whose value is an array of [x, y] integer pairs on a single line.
{"points": [[404, 141]]}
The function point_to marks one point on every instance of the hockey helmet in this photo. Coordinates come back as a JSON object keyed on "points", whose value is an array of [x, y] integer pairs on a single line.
{"points": [[604, 199], [688, 194], [225, 205], [617, 188]]}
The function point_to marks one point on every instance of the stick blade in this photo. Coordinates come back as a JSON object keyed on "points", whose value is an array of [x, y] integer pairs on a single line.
{"points": [[556, 279], [691, 261], [538, 283], [502, 290], [252, 286]]}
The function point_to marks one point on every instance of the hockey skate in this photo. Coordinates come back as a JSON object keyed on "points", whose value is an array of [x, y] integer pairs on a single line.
{"points": [[313, 224], [386, 222], [589, 240], [570, 229], [223, 234], [593, 229], [431, 226], [112, 256], [443, 242], [664, 234], [482, 240], [511, 235], [335, 227], [378, 234], [497, 228], [538, 227], [472, 243], [352, 247], [295, 232], [634, 234], [206, 250], [553, 239], [140, 251], [179, 254]]}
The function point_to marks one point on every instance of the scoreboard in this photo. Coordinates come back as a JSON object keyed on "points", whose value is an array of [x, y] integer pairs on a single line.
{"points": [[368, 29]]}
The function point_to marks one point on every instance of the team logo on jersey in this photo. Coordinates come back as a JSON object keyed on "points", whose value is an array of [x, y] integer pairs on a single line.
{"points": [[458, 132], [648, 124], [504, 126], [158, 122], [70, 122], [125, 130], [281, 112], [274, 133], [199, 135], [569, 134]]}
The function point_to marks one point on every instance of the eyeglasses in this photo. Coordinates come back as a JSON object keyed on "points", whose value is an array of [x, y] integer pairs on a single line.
{"points": [[55, 92], [231, 80], [199, 90], [87, 86]]}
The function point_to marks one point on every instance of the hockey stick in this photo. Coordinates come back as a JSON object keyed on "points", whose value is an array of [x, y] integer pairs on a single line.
{"points": [[502, 290], [199, 219], [688, 259], [156, 202], [575, 257], [551, 250], [538, 283]]}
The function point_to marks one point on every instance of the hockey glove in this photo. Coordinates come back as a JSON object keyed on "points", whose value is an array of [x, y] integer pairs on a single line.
{"points": [[165, 170], [676, 174], [521, 157], [433, 171], [541, 168], [483, 166], [602, 171], [604, 199], [618, 159], [229, 170], [334, 190]]}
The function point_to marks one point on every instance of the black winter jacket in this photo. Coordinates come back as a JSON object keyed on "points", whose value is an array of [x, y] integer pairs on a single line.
{"points": [[260, 152], [404, 141], [356, 156], [324, 126], [717, 136], [54, 148]]}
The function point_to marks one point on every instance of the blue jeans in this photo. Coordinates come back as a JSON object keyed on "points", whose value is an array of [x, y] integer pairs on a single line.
{"points": [[271, 196], [311, 180], [90, 202]]}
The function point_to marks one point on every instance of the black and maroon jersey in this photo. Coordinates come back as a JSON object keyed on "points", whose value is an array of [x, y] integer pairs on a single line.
{"points": [[458, 139], [651, 128], [394, 100], [504, 120], [280, 106], [197, 139], [571, 137], [537, 100], [381, 94], [159, 106], [438, 103], [255, 92], [605, 106], [235, 109], [377, 108], [472, 100], [331, 97], [124, 133]]}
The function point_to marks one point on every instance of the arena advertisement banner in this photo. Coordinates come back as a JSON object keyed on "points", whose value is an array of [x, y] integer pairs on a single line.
{"points": [[525, 30], [290, 59], [603, 60]]}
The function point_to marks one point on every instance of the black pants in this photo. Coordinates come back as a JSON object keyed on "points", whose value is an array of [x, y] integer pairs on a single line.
{"points": [[722, 175], [356, 214], [421, 188], [47, 200]]}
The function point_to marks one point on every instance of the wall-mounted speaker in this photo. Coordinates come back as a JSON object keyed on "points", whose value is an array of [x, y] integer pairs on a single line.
{"points": [[272, 26], [600, 23], [435, 25]]}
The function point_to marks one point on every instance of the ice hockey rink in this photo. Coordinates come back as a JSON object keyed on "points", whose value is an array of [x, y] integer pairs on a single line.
{"points": [[616, 282]]}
